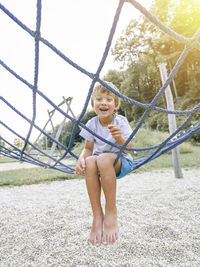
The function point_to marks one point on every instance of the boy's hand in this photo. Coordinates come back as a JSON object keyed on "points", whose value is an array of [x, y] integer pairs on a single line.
{"points": [[80, 167], [115, 131]]}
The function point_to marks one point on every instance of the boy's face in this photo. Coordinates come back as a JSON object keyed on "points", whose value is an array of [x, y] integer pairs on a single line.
{"points": [[104, 104]]}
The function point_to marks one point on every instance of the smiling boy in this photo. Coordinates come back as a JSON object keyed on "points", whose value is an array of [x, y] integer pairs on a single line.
{"points": [[97, 161]]}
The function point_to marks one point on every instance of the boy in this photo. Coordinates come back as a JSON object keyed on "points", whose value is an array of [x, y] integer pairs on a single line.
{"points": [[97, 161]]}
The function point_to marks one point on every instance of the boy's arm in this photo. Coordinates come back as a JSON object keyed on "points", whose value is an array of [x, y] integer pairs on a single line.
{"points": [[117, 135], [87, 151]]}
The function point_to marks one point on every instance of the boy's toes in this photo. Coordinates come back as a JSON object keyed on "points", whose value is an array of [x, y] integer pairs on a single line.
{"points": [[95, 241], [109, 239], [105, 240]]}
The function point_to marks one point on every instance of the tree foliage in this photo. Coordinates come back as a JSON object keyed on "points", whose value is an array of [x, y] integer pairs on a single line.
{"points": [[142, 46]]}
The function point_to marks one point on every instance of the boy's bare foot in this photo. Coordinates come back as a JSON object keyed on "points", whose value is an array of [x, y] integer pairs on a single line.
{"points": [[96, 231], [111, 230]]}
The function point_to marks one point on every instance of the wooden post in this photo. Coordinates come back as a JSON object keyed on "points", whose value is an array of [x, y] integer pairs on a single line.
{"points": [[53, 148], [35, 142], [59, 131], [172, 122]]}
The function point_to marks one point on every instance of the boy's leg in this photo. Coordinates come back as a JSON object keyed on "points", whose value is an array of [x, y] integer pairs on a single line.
{"points": [[108, 181], [94, 192]]}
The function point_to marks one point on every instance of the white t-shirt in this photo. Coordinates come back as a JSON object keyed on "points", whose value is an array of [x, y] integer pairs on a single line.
{"points": [[99, 145]]}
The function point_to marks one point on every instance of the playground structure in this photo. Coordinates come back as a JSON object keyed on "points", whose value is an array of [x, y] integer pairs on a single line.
{"points": [[66, 101], [176, 137]]}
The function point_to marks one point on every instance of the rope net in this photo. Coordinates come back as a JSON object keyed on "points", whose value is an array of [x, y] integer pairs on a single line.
{"points": [[59, 162]]}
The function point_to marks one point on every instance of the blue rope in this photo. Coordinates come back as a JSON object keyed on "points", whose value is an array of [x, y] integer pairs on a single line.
{"points": [[176, 138], [37, 40]]}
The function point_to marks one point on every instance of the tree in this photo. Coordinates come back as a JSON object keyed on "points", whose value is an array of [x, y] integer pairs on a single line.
{"points": [[183, 17], [142, 46]]}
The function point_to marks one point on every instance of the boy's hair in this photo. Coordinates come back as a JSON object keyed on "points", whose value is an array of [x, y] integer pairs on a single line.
{"points": [[100, 88]]}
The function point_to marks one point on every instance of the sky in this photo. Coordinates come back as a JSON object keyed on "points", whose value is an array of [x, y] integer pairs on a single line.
{"points": [[79, 29]]}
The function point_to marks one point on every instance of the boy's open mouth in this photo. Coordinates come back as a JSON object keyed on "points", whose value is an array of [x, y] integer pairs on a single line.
{"points": [[103, 109]]}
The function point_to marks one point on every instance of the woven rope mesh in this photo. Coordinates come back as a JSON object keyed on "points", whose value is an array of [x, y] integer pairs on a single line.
{"points": [[31, 151]]}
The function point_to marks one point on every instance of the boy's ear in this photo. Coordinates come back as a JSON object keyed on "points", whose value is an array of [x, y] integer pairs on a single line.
{"points": [[116, 107]]}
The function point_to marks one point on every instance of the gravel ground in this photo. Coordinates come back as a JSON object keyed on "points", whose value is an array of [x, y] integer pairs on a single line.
{"points": [[49, 224]]}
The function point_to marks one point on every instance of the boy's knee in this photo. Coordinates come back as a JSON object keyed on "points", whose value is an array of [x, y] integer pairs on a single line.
{"points": [[90, 161], [104, 160]]}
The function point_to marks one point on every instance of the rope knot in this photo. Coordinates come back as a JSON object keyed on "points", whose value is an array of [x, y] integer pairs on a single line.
{"points": [[36, 35], [193, 43]]}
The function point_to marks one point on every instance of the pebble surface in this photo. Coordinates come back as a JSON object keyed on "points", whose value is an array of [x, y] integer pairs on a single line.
{"points": [[49, 224]]}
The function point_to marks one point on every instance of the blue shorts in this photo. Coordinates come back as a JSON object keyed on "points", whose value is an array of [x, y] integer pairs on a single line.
{"points": [[126, 167]]}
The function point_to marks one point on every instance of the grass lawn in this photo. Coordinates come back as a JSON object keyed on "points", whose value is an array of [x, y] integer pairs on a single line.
{"points": [[6, 160], [32, 176], [188, 161]]}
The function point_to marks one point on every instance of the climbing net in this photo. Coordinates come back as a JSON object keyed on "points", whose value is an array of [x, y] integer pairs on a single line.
{"points": [[148, 153]]}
